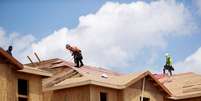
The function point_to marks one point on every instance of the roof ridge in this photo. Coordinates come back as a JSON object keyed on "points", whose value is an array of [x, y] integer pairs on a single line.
{"points": [[95, 68]]}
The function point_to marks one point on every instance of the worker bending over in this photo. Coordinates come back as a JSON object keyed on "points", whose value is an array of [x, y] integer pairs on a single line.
{"points": [[77, 55], [168, 66]]}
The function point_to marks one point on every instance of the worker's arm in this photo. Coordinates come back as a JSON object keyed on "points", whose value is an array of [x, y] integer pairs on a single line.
{"points": [[71, 51], [72, 54]]}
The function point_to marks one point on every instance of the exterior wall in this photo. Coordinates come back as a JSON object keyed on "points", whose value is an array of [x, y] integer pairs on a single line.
{"points": [[8, 84], [92, 93], [48, 95], [134, 92], [112, 94], [81, 93], [7, 81], [35, 85]]}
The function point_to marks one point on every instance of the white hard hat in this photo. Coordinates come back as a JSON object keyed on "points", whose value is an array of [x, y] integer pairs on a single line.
{"points": [[166, 54]]}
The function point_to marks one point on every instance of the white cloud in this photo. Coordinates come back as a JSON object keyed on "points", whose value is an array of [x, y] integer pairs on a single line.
{"points": [[118, 33], [20, 43], [197, 4], [53, 45], [191, 64]]}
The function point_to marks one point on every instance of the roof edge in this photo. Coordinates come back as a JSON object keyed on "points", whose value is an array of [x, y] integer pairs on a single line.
{"points": [[160, 84], [148, 73], [35, 71], [11, 59], [185, 96], [82, 83]]}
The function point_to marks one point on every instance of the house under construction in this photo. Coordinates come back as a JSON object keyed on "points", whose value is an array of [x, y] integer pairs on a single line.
{"points": [[19, 82], [97, 84], [59, 80]]}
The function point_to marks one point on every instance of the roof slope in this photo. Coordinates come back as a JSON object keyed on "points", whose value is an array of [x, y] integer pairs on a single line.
{"points": [[182, 86], [90, 75], [52, 64], [10, 59], [63, 70], [116, 82]]}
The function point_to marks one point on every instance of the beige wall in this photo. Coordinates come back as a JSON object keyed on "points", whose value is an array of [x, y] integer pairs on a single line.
{"points": [[112, 94], [71, 94], [35, 85], [8, 84], [134, 92], [7, 88], [48, 95], [82, 93]]}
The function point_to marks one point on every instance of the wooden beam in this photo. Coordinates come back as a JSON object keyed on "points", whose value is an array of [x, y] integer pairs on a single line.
{"points": [[30, 60], [37, 57]]}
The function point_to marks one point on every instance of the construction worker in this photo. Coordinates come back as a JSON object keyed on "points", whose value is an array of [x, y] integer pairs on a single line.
{"points": [[168, 65], [77, 55], [9, 51]]}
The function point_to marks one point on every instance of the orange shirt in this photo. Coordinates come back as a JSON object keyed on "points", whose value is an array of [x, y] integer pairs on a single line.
{"points": [[74, 49]]}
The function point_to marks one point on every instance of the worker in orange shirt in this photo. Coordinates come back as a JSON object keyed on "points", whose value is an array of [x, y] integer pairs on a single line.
{"points": [[77, 55]]}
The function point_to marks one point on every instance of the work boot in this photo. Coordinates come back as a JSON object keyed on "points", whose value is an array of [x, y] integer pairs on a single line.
{"points": [[170, 72], [77, 63], [81, 63]]}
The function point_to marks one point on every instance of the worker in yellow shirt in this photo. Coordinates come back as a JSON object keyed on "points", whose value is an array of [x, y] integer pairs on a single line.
{"points": [[168, 65]]}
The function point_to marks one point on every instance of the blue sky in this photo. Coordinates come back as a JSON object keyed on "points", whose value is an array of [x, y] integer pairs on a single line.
{"points": [[39, 20], [42, 17]]}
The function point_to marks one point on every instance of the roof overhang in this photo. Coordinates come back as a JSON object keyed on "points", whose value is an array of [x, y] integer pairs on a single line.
{"points": [[83, 83], [35, 71], [185, 96], [10, 59]]}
